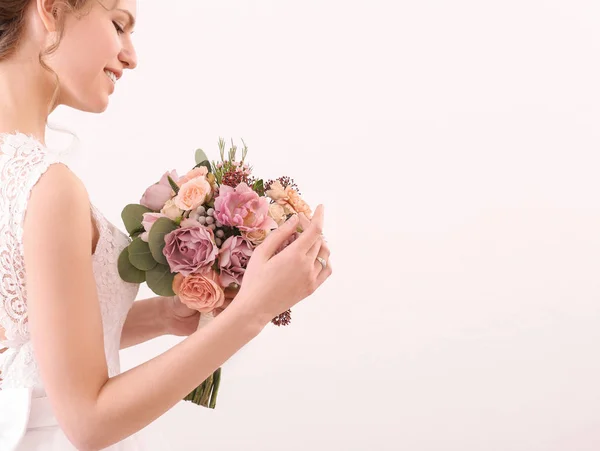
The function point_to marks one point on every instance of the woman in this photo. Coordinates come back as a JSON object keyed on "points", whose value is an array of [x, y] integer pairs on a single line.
{"points": [[64, 311]]}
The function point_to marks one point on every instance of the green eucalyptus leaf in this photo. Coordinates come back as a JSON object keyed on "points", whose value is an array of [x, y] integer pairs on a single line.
{"points": [[140, 255], [160, 280], [173, 184], [127, 271], [132, 216], [200, 156], [156, 238]]}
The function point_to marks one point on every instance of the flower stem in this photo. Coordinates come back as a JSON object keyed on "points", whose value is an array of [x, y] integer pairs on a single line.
{"points": [[198, 393], [207, 390], [217, 382]]}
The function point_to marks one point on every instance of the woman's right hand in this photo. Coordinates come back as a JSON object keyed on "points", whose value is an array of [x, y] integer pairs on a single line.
{"points": [[275, 283]]}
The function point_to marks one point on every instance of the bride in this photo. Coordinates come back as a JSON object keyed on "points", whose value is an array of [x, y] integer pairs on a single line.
{"points": [[64, 311]]}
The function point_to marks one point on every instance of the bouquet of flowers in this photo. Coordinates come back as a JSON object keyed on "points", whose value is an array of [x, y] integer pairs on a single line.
{"points": [[193, 236]]}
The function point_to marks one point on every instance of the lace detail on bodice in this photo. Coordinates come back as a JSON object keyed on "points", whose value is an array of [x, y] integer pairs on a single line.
{"points": [[23, 160]]}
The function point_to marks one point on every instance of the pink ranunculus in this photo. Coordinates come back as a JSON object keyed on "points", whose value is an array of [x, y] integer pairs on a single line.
{"points": [[190, 248], [199, 291], [233, 260], [148, 220], [243, 208], [192, 194], [156, 195]]}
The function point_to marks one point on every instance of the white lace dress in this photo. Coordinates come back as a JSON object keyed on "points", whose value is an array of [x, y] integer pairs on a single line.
{"points": [[26, 418]]}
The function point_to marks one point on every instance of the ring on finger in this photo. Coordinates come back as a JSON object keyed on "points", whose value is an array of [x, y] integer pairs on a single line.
{"points": [[322, 261]]}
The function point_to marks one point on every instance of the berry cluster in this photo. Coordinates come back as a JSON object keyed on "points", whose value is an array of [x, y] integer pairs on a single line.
{"points": [[206, 217]]}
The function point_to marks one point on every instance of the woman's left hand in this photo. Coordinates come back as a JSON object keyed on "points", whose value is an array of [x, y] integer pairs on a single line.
{"points": [[183, 321]]}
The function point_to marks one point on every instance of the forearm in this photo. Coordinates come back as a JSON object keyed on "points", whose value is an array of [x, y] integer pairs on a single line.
{"points": [[130, 401], [144, 322]]}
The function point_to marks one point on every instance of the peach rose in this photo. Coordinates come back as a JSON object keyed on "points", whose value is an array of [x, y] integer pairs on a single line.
{"points": [[171, 211], [196, 172], [193, 193], [255, 237], [199, 292]]}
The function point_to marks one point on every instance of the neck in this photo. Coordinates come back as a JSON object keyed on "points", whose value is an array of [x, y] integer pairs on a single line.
{"points": [[26, 90]]}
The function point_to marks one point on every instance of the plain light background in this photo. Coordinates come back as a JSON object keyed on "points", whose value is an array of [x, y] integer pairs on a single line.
{"points": [[455, 146]]}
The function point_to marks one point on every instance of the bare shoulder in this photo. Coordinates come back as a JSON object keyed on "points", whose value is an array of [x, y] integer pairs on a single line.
{"points": [[59, 202], [56, 184]]}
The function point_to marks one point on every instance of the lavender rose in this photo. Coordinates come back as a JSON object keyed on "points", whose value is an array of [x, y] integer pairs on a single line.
{"points": [[191, 248], [233, 260]]}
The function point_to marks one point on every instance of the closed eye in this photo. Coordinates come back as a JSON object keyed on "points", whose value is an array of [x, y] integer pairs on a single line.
{"points": [[118, 27]]}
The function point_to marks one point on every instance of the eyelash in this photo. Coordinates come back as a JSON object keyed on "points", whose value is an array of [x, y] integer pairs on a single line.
{"points": [[118, 27]]}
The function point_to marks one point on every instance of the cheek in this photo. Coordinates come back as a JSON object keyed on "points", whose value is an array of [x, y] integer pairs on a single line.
{"points": [[85, 52]]}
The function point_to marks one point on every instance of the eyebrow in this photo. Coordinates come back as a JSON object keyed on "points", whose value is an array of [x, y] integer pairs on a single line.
{"points": [[131, 18]]}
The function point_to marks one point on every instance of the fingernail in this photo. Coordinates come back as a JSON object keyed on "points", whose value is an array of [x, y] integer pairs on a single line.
{"points": [[293, 219]]}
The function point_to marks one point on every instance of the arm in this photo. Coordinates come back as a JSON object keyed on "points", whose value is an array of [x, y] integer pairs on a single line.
{"points": [[94, 410], [145, 321]]}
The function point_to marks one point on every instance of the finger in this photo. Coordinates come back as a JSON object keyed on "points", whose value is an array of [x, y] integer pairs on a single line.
{"points": [[312, 233], [304, 222], [324, 273], [277, 237], [320, 248], [318, 265]]}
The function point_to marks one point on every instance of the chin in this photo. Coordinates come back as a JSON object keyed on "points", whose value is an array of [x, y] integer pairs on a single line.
{"points": [[98, 105], [95, 102]]}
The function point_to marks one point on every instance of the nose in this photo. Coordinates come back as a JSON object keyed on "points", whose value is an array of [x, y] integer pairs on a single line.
{"points": [[128, 57]]}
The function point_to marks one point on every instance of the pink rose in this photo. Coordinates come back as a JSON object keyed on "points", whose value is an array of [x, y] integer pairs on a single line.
{"points": [[243, 208], [199, 292], [190, 248], [233, 259], [192, 194], [156, 195], [148, 220], [196, 172]]}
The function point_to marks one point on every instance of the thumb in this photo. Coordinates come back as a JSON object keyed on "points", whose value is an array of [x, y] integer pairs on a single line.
{"points": [[276, 238]]}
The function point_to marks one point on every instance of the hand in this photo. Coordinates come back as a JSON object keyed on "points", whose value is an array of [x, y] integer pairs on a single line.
{"points": [[275, 282], [181, 320]]}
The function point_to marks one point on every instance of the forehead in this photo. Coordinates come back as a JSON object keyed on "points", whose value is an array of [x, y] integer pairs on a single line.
{"points": [[127, 5]]}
